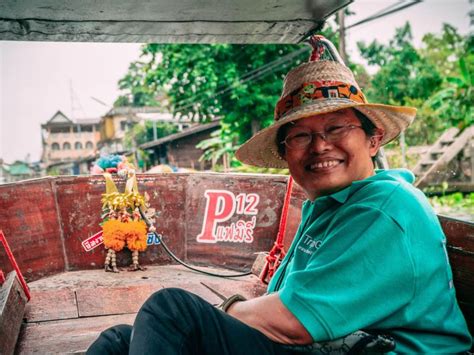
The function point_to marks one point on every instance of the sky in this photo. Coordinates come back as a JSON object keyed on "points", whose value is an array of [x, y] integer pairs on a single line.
{"points": [[39, 78]]}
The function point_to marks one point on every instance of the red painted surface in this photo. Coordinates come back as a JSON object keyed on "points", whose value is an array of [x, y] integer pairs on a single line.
{"points": [[461, 256], [236, 254], [48, 219], [80, 210], [14, 264], [28, 215]]}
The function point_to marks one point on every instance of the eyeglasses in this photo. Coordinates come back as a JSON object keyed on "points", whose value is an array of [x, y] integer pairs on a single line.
{"points": [[302, 139]]}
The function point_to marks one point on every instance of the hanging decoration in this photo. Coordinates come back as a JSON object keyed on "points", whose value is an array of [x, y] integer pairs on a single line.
{"points": [[122, 224]]}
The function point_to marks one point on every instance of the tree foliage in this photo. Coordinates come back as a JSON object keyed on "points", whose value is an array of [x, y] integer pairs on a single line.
{"points": [[429, 78], [454, 101], [238, 83], [241, 83], [403, 73]]}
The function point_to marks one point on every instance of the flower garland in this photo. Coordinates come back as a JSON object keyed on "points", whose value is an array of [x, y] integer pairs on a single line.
{"points": [[122, 223]]}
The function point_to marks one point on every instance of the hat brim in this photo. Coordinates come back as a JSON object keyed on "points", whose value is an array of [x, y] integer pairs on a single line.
{"points": [[262, 150]]}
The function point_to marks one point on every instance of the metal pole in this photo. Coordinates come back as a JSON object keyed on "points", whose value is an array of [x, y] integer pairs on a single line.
{"points": [[342, 36]]}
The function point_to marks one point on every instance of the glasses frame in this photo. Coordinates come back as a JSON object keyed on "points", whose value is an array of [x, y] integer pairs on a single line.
{"points": [[324, 137]]}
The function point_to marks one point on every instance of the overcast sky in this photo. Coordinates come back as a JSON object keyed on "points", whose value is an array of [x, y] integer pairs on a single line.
{"points": [[38, 78]]}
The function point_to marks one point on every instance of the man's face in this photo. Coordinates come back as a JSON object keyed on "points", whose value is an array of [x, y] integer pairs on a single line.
{"points": [[323, 168]]}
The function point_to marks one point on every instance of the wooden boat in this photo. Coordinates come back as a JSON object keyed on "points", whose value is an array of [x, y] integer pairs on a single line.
{"points": [[48, 222]]}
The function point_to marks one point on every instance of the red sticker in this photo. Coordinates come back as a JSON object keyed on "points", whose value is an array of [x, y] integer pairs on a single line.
{"points": [[93, 241]]}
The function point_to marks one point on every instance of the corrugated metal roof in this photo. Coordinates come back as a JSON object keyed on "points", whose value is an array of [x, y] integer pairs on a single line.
{"points": [[182, 134]]}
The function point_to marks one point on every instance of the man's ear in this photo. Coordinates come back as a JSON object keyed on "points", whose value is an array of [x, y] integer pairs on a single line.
{"points": [[376, 141]]}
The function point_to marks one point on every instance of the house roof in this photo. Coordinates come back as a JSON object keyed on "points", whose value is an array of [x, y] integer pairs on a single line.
{"points": [[127, 110], [184, 133], [60, 119], [19, 168], [84, 121]]}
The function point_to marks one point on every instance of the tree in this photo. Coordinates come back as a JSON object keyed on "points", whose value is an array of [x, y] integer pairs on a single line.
{"points": [[219, 146], [403, 72], [454, 101], [443, 50], [453, 55], [405, 77], [136, 94], [238, 83], [430, 78]]}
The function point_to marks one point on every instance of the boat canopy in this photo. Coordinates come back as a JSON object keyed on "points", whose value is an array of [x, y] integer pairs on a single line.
{"points": [[164, 21]]}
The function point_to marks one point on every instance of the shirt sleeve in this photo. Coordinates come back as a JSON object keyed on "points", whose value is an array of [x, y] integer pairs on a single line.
{"points": [[362, 273]]}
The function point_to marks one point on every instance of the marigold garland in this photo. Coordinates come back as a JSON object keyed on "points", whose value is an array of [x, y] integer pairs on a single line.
{"points": [[136, 235], [114, 234]]}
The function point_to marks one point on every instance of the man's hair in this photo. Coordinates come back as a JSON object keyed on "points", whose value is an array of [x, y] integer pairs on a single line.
{"points": [[366, 124]]}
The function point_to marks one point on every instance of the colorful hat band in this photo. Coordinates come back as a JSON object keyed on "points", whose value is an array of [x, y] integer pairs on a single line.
{"points": [[317, 90]]}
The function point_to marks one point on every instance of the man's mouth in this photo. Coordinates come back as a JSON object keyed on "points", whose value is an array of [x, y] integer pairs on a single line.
{"points": [[328, 164]]}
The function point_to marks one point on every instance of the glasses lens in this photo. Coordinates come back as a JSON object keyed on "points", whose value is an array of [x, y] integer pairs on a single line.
{"points": [[335, 134], [298, 140]]}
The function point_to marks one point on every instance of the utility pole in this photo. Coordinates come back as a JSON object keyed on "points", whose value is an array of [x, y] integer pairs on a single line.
{"points": [[342, 36]]}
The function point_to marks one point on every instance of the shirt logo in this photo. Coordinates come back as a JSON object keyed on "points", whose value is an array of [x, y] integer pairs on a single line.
{"points": [[308, 245]]}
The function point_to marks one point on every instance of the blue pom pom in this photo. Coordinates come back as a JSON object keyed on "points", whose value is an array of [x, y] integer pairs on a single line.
{"points": [[109, 161]]}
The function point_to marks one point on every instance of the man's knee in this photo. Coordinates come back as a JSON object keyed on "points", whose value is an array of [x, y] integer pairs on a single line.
{"points": [[114, 340], [172, 303], [167, 296]]}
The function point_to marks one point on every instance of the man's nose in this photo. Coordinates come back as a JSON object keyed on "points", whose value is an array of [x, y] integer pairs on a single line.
{"points": [[319, 143]]}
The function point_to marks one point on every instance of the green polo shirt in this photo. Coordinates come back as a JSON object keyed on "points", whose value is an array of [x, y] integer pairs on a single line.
{"points": [[373, 256]]}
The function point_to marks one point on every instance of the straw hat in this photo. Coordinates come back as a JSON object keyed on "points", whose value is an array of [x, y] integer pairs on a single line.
{"points": [[314, 88]]}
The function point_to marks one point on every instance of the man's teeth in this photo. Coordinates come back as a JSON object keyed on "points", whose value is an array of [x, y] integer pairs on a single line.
{"points": [[325, 164]]}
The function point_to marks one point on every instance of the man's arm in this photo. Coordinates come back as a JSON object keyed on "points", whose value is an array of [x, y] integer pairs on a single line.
{"points": [[270, 316]]}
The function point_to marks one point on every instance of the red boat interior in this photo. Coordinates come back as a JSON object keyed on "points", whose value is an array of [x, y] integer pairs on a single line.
{"points": [[73, 299]]}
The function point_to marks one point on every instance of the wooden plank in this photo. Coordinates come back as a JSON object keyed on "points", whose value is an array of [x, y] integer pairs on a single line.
{"points": [[12, 306], [112, 300], [102, 307], [460, 237], [28, 217], [450, 152], [66, 336], [449, 134], [51, 305]]}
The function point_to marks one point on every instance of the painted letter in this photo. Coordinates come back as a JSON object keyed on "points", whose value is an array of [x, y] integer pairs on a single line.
{"points": [[220, 206]]}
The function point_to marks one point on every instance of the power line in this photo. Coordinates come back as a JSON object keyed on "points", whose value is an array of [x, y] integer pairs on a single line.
{"points": [[250, 76], [265, 69], [384, 12]]}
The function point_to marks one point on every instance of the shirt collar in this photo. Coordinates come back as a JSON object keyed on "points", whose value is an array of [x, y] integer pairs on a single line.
{"points": [[341, 196]]}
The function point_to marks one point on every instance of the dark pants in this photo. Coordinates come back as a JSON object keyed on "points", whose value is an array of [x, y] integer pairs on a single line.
{"points": [[173, 321]]}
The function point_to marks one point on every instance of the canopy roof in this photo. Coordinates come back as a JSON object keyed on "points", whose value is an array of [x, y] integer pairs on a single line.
{"points": [[164, 21]]}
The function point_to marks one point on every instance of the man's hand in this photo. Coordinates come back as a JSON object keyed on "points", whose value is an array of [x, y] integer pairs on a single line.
{"points": [[270, 316]]}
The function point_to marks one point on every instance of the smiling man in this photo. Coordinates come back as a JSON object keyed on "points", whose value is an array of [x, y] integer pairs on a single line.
{"points": [[369, 252], [341, 155], [367, 267]]}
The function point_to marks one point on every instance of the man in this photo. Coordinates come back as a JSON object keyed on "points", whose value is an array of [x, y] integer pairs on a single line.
{"points": [[369, 252]]}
